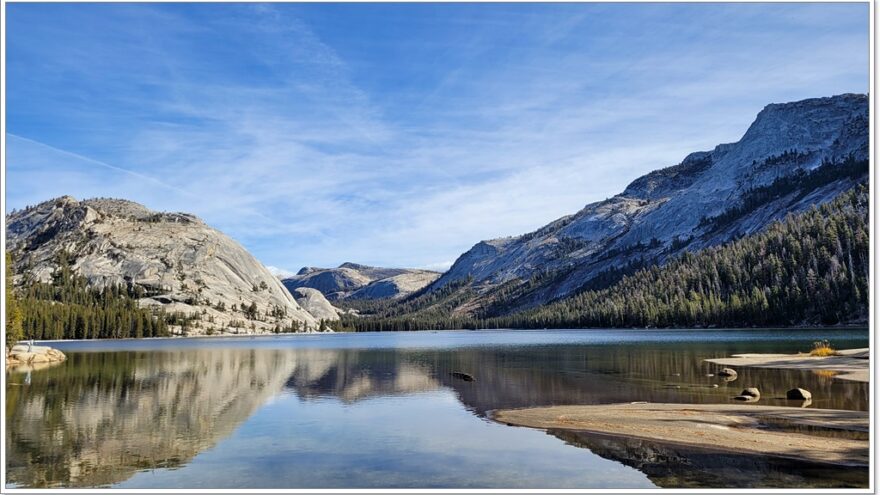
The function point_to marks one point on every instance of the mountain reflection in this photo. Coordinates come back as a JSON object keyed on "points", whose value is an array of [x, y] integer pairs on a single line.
{"points": [[101, 416], [554, 375], [355, 375]]}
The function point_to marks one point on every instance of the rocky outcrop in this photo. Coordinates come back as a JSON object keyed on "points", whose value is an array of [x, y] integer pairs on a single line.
{"points": [[796, 151], [27, 356], [182, 264], [313, 301], [351, 280], [798, 394], [751, 392], [395, 287]]}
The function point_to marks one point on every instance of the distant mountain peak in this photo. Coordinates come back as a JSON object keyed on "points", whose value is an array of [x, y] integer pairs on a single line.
{"points": [[357, 281], [792, 156], [355, 266], [183, 265]]}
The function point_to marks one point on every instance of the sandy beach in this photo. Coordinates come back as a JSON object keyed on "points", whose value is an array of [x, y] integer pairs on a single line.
{"points": [[816, 435], [848, 364]]}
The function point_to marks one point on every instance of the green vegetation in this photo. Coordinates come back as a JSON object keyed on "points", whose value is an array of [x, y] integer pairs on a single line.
{"points": [[822, 348], [421, 310], [801, 182], [14, 331], [67, 308], [811, 268]]}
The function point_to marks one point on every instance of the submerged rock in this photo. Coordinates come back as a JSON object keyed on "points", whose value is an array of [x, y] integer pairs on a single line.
{"points": [[746, 398], [798, 394], [463, 376]]}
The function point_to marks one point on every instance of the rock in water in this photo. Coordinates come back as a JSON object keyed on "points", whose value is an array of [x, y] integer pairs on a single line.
{"points": [[727, 372], [751, 392], [313, 301], [462, 376], [798, 394], [746, 398], [33, 354], [181, 263]]}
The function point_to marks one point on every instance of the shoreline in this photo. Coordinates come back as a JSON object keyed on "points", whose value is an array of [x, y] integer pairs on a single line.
{"points": [[782, 432], [847, 364], [616, 329]]}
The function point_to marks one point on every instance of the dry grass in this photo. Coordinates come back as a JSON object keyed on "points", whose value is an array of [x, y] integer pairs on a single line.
{"points": [[825, 373], [822, 348]]}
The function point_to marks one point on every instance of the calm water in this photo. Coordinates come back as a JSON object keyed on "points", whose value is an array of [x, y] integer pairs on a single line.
{"points": [[384, 410]]}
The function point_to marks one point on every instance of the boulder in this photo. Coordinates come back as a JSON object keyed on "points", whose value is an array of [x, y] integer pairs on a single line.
{"points": [[33, 354], [798, 394], [751, 392], [727, 372]]}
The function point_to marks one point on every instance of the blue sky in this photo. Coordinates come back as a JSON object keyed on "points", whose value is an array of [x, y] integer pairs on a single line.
{"points": [[395, 134]]}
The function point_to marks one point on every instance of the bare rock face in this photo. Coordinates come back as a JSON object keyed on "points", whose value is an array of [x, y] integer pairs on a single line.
{"points": [[351, 280], [313, 301], [26, 357], [395, 287], [704, 201], [183, 264]]}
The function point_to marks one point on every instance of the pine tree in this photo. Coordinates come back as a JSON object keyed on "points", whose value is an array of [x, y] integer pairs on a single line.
{"points": [[14, 327]]}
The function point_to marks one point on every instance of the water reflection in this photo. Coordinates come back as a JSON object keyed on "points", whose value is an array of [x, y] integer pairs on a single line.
{"points": [[680, 466], [100, 417], [556, 375]]}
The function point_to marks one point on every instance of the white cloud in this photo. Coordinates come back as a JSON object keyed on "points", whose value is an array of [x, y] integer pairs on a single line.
{"points": [[324, 159], [440, 266], [280, 272]]}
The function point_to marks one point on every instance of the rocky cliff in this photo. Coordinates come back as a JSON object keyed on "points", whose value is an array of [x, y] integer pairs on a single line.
{"points": [[793, 156], [183, 265], [313, 301]]}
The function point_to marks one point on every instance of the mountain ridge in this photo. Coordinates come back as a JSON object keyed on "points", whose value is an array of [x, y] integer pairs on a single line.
{"points": [[184, 266], [357, 281], [667, 211]]}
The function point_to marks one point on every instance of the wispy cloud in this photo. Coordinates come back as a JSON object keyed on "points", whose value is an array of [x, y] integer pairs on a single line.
{"points": [[395, 135]]}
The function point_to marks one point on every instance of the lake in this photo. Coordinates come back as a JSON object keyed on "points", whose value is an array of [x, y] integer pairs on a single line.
{"points": [[386, 410]]}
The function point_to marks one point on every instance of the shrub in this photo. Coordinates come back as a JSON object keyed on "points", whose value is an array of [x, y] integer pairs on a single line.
{"points": [[822, 348]]}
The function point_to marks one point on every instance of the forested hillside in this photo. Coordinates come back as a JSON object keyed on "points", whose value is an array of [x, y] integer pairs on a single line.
{"points": [[811, 268], [67, 308]]}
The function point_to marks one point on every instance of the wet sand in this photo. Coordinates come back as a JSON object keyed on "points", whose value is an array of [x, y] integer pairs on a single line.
{"points": [[849, 364], [815, 435]]}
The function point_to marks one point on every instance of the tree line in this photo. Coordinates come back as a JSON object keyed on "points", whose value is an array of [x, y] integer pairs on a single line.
{"points": [[68, 308], [810, 268]]}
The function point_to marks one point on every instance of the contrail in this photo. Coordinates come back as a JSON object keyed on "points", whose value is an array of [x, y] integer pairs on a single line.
{"points": [[104, 164]]}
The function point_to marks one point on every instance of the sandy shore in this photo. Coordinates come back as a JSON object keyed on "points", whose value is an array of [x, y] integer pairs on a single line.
{"points": [[849, 364], [816, 435]]}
